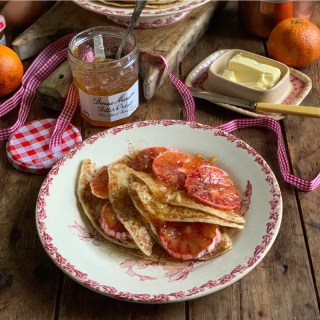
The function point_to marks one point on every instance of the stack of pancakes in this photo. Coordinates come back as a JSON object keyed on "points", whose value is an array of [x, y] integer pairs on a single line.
{"points": [[141, 202]]}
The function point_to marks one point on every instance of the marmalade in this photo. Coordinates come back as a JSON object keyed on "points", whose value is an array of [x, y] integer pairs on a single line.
{"points": [[108, 88]]}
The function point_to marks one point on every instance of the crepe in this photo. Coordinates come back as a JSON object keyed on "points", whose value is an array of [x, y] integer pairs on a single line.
{"points": [[126, 212], [154, 209], [180, 198], [224, 245], [91, 204], [145, 205]]}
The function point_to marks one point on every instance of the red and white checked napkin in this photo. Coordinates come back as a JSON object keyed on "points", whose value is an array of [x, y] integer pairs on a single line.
{"points": [[299, 183]]}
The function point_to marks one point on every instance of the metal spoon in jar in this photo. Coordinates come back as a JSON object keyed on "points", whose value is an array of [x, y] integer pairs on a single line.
{"points": [[140, 4]]}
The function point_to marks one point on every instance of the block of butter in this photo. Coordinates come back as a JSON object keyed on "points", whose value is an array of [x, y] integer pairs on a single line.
{"points": [[251, 73]]}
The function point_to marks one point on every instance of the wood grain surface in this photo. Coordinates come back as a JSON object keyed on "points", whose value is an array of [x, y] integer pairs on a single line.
{"points": [[173, 42], [285, 285]]}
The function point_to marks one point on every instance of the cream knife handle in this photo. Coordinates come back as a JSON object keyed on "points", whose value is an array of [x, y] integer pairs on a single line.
{"points": [[289, 109]]}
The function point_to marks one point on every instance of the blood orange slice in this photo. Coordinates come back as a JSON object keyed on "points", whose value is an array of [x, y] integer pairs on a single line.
{"points": [[99, 183], [111, 225], [211, 185], [174, 166], [187, 241], [144, 159]]}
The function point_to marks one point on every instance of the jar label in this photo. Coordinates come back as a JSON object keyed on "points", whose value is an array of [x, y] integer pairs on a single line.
{"points": [[110, 108]]}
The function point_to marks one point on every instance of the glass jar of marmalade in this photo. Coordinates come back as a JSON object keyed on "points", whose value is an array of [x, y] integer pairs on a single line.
{"points": [[260, 17], [108, 88], [2, 27]]}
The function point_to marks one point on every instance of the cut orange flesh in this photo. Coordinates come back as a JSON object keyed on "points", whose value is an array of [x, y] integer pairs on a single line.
{"points": [[173, 166], [143, 160], [212, 186], [99, 184], [111, 225], [187, 241]]}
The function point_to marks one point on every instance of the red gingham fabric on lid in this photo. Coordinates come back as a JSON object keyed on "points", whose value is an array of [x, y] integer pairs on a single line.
{"points": [[28, 147]]}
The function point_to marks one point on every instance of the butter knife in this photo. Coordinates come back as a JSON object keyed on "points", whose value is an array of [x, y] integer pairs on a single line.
{"points": [[304, 111]]}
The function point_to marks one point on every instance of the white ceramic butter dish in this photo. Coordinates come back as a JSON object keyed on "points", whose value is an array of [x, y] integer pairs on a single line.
{"points": [[219, 84], [292, 87]]}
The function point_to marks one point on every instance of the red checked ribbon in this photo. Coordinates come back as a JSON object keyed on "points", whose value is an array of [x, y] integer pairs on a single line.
{"points": [[56, 52], [299, 183], [42, 66], [65, 116], [183, 90]]}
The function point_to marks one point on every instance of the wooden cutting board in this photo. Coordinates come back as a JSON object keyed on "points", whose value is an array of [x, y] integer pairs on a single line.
{"points": [[172, 41]]}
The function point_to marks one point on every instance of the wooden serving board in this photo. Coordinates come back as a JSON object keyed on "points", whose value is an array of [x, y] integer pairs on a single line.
{"points": [[172, 41]]}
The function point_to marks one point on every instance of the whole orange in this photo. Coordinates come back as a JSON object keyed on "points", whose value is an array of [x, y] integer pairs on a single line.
{"points": [[295, 42], [11, 70]]}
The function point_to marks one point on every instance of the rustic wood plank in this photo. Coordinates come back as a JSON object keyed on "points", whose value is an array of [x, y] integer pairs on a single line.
{"points": [[285, 271], [63, 18], [25, 269], [304, 148], [280, 287], [172, 41], [52, 92], [29, 280], [302, 136], [77, 300]]}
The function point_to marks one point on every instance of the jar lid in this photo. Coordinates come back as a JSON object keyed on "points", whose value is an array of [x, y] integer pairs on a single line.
{"points": [[2, 23], [28, 147]]}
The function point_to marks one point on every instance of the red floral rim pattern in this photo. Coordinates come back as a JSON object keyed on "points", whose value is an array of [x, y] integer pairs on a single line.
{"points": [[150, 18], [151, 23], [227, 279], [105, 9]]}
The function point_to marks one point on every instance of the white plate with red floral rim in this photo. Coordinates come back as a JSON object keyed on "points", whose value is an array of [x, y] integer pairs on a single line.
{"points": [[78, 251], [300, 86], [149, 18]]}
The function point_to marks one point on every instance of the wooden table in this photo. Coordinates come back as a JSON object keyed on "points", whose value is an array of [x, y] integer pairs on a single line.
{"points": [[285, 285]]}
